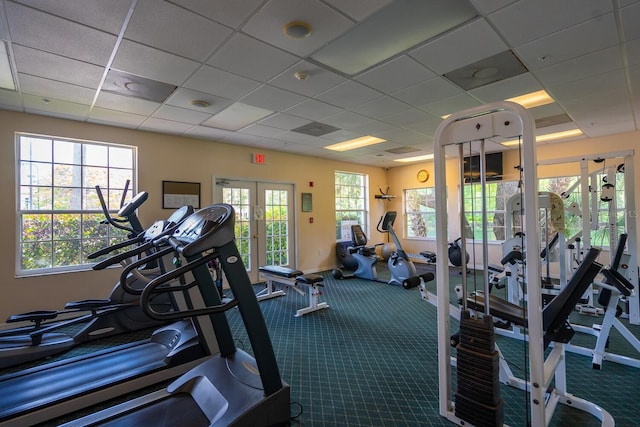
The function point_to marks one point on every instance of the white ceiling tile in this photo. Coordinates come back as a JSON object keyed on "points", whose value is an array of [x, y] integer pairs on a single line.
{"points": [[301, 138], [596, 130], [219, 82], [632, 50], [358, 9], [610, 107], [450, 105], [230, 13], [272, 98], [596, 85], [55, 67], [104, 15], [340, 135], [588, 37], [320, 79], [182, 115], [313, 110], [268, 24], [599, 62], [52, 89], [152, 63], [397, 74], [408, 117], [428, 91], [68, 110], [528, 20], [183, 98], [205, 132], [57, 35], [348, 120], [485, 7], [11, 100], [284, 121], [167, 27], [426, 127], [473, 41], [262, 130], [237, 116], [508, 88], [248, 57], [349, 94], [630, 18], [164, 126], [381, 107], [127, 104], [115, 118]]}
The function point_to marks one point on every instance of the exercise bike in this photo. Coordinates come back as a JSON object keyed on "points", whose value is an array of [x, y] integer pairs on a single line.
{"points": [[403, 271]]}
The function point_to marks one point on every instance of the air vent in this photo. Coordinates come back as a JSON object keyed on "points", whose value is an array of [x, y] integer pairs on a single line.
{"points": [[486, 71], [127, 84], [402, 150], [315, 129], [558, 119]]}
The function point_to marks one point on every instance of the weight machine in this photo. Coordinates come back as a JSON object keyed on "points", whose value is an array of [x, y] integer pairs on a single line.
{"points": [[546, 383]]}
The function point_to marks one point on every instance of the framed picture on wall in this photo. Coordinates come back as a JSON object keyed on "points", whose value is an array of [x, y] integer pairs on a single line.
{"points": [[307, 202], [176, 194]]}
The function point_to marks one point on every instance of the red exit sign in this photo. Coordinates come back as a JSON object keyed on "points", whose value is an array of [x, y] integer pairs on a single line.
{"points": [[258, 158]]}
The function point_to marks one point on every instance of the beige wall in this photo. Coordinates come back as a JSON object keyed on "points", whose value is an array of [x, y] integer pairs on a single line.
{"points": [[163, 157]]}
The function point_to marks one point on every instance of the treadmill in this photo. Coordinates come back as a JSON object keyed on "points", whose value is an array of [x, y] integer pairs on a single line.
{"points": [[229, 389], [51, 390]]}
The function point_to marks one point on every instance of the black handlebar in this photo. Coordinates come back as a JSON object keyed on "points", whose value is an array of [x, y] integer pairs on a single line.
{"points": [[153, 288]]}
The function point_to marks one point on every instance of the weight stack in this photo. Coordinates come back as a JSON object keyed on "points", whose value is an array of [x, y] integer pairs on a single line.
{"points": [[478, 394]]}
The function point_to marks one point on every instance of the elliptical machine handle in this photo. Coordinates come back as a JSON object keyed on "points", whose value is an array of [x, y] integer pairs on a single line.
{"points": [[123, 256]]}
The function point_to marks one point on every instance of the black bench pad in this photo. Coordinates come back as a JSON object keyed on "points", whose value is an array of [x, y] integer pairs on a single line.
{"points": [[310, 279], [281, 271]]}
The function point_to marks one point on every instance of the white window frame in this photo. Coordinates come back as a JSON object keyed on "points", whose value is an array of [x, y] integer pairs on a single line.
{"points": [[41, 173], [346, 204], [425, 212]]}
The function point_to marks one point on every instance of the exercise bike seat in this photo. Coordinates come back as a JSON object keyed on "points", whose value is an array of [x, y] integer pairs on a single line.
{"points": [[359, 240]]}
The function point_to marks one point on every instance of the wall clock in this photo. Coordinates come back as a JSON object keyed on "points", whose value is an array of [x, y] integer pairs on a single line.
{"points": [[423, 175]]}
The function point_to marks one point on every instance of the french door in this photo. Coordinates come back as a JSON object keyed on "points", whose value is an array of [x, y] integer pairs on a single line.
{"points": [[264, 222]]}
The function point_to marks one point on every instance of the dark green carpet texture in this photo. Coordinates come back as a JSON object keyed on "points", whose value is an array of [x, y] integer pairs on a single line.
{"points": [[371, 360]]}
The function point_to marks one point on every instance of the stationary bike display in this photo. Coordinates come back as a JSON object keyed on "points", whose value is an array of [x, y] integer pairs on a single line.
{"points": [[364, 255]]}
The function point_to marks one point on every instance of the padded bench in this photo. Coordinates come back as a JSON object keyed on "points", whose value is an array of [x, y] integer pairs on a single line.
{"points": [[295, 279]]}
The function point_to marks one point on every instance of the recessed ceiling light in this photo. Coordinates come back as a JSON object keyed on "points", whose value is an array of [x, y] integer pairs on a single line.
{"points": [[297, 29], [302, 75], [533, 99], [352, 144], [415, 158], [547, 137]]}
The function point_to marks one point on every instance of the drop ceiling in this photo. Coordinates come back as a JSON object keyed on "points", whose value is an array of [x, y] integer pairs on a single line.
{"points": [[373, 67]]}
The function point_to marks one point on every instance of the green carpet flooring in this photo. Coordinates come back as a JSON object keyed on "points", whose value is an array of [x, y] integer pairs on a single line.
{"points": [[371, 360]]}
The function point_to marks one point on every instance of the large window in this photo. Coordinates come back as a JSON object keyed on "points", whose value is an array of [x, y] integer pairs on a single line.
{"points": [[351, 203], [420, 213], [497, 194], [605, 208], [59, 212]]}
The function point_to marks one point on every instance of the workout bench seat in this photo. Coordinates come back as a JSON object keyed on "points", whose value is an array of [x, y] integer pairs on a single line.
{"points": [[295, 279]]}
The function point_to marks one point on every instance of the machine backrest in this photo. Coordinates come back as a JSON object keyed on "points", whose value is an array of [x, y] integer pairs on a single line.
{"points": [[358, 238]]}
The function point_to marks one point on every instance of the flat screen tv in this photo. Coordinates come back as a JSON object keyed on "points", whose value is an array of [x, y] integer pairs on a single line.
{"points": [[493, 164]]}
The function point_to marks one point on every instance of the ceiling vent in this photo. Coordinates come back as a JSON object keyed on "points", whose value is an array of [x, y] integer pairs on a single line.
{"points": [[558, 119], [315, 129], [486, 71], [402, 150], [126, 84]]}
